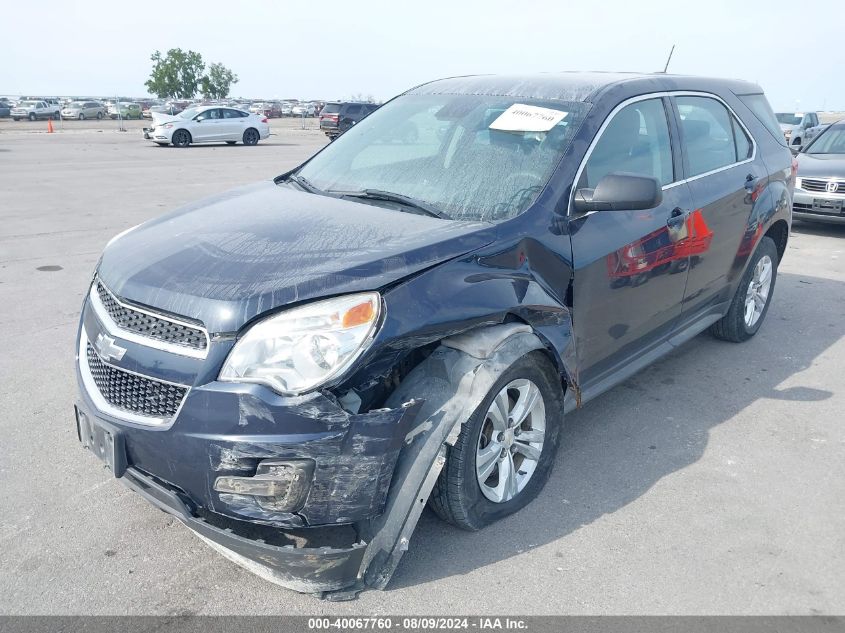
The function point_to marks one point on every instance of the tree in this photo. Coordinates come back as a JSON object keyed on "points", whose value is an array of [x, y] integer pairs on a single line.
{"points": [[218, 81], [176, 75]]}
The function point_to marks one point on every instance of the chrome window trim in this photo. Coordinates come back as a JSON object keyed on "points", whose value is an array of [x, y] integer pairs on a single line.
{"points": [[114, 328], [104, 406], [661, 95]]}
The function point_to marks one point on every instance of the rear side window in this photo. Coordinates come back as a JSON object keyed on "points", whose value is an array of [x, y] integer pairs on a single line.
{"points": [[635, 141], [352, 109], [759, 105], [713, 139]]}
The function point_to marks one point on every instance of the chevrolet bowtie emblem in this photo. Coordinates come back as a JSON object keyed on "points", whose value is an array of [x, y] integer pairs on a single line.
{"points": [[107, 349]]}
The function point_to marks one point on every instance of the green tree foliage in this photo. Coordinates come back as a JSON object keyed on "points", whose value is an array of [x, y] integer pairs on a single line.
{"points": [[218, 81], [176, 75]]}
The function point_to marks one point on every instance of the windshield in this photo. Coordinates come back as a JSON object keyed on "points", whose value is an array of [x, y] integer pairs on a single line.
{"points": [[789, 118], [190, 113], [27, 104], [831, 141], [75, 104], [444, 150]]}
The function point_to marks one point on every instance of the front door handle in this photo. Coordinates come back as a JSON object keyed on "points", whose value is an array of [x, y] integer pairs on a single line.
{"points": [[676, 218]]}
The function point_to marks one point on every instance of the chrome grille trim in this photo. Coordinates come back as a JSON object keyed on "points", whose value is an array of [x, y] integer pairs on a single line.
{"points": [[104, 406], [819, 185], [116, 329]]}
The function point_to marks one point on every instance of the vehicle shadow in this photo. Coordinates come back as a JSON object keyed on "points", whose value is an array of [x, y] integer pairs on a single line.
{"points": [[620, 445], [818, 228]]}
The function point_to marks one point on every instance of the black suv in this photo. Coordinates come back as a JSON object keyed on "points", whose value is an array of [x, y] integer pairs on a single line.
{"points": [[293, 369], [337, 117]]}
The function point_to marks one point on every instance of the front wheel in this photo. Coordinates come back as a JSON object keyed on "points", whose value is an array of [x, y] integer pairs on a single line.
{"points": [[753, 296], [181, 138], [251, 136], [81, 116], [32, 116], [99, 115], [506, 449]]}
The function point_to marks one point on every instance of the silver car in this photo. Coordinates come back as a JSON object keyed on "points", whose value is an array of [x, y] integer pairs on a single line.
{"points": [[84, 110], [820, 186]]}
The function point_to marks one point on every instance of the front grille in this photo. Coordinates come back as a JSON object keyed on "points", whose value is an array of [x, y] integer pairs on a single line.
{"points": [[816, 184], [155, 327], [133, 393]]}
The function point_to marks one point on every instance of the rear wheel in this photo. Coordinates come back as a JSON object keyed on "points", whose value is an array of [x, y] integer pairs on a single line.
{"points": [[99, 115], [251, 136], [753, 296], [505, 451], [181, 138], [81, 116], [32, 116]]}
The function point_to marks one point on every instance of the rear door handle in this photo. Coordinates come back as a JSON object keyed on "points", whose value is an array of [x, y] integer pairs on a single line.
{"points": [[750, 182], [676, 218]]}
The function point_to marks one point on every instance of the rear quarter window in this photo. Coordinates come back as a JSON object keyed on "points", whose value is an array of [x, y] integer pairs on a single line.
{"points": [[759, 106]]}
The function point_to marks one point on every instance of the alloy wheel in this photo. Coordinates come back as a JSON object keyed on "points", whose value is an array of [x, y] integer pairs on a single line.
{"points": [[757, 294], [510, 441]]}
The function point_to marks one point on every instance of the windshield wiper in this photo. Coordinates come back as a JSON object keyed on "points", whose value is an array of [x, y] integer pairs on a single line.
{"points": [[304, 183], [389, 196]]}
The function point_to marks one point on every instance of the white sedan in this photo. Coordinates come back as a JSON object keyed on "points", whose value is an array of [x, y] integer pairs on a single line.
{"points": [[207, 124]]}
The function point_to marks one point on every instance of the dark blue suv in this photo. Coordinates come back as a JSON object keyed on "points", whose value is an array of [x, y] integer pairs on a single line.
{"points": [[295, 368]]}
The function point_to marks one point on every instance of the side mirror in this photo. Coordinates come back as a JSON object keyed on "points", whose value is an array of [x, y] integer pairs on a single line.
{"points": [[620, 191]]}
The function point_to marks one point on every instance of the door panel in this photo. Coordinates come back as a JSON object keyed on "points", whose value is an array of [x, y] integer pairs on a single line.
{"points": [[630, 266], [723, 182]]}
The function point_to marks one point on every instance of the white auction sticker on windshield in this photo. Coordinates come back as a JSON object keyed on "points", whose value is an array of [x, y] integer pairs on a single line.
{"points": [[525, 118]]}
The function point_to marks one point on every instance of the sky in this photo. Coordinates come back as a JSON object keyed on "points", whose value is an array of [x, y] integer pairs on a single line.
{"points": [[328, 49]]}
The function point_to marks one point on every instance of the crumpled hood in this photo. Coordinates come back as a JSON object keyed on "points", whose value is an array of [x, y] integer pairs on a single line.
{"points": [[227, 259], [821, 166]]}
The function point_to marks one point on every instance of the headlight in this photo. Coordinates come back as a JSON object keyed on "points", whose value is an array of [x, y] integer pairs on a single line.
{"points": [[302, 348]]}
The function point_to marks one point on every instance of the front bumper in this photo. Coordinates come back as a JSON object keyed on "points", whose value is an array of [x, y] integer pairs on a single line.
{"points": [[308, 569], [226, 430], [818, 206]]}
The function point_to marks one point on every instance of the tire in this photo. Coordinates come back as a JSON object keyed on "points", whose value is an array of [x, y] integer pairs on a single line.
{"points": [[99, 115], [797, 141], [32, 116], [81, 116], [458, 497], [16, 118], [230, 142], [251, 136], [55, 116], [743, 321], [181, 138]]}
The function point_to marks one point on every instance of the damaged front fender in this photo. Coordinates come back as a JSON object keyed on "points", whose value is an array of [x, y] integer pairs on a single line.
{"points": [[452, 382]]}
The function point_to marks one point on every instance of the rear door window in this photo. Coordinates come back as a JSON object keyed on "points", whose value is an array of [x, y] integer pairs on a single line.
{"points": [[635, 141], [707, 131]]}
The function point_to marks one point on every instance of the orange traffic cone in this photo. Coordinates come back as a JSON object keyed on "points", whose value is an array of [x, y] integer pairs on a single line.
{"points": [[49, 126]]}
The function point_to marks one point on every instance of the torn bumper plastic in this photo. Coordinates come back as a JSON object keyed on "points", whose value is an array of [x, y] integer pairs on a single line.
{"points": [[307, 569]]}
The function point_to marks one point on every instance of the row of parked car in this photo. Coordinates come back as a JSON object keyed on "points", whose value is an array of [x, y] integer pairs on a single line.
{"points": [[53, 108]]}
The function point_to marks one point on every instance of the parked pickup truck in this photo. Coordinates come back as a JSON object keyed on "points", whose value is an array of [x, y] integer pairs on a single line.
{"points": [[35, 110]]}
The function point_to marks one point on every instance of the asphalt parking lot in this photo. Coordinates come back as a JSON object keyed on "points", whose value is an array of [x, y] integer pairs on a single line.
{"points": [[712, 483]]}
